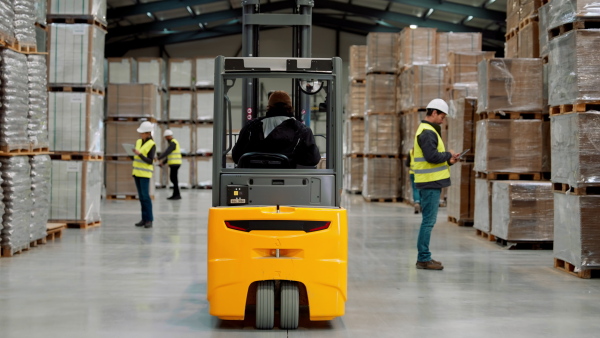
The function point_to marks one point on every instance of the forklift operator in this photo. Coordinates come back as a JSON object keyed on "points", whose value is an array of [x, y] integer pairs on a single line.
{"points": [[278, 133]]}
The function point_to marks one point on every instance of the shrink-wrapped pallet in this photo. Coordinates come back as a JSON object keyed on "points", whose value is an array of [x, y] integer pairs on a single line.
{"points": [[37, 128], [122, 70], [119, 132], [510, 85], [40, 11], [14, 100], [24, 22], [180, 105], [523, 211], [7, 18], [457, 91], [575, 150], [60, 8], [483, 205], [358, 61], [133, 100], [203, 167], [353, 174], [183, 134], [529, 41], [420, 84], [152, 70], [119, 181], [16, 187], [205, 105], [513, 146], [417, 46], [205, 72], [461, 194], [382, 53], [355, 135], [574, 66], [511, 47], [513, 8], [410, 124], [181, 72], [461, 125], [406, 191], [203, 139], [462, 66], [567, 11], [76, 122], [456, 42], [41, 166], [381, 93], [356, 100], [76, 55], [76, 191], [544, 19], [382, 135], [381, 177]]}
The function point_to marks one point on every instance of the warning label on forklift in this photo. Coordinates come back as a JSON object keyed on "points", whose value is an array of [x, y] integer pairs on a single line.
{"points": [[237, 201]]}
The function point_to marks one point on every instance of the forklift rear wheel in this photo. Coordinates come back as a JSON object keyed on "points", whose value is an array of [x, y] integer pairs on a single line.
{"points": [[265, 305], [290, 305]]}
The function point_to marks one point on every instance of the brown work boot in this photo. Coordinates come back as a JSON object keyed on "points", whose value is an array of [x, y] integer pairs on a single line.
{"points": [[430, 265]]}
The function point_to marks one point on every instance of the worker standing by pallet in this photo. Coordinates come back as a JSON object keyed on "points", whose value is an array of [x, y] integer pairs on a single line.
{"points": [[173, 156]]}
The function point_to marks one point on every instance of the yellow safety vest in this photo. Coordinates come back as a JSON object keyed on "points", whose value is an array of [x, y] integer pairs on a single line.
{"points": [[412, 162], [141, 168], [425, 171], [175, 156]]}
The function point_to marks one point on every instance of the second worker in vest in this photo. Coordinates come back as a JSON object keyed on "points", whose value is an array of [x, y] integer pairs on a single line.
{"points": [[143, 168], [432, 173], [173, 156]]}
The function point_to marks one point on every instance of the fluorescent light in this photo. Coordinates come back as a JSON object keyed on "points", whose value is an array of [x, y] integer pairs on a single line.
{"points": [[150, 15], [429, 12], [469, 18], [413, 26], [189, 9]]}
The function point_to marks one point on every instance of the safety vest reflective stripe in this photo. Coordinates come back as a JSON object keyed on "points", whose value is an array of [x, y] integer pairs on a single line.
{"points": [[428, 171], [420, 159], [141, 168], [174, 157]]}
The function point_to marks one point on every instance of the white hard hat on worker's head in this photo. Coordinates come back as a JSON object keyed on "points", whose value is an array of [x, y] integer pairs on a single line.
{"points": [[168, 132], [146, 127], [439, 105]]}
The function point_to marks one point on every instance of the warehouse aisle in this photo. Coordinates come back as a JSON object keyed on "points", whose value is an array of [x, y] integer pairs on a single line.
{"points": [[121, 281]]}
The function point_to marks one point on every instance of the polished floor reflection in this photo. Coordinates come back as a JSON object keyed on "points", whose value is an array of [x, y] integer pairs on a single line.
{"points": [[121, 281]]}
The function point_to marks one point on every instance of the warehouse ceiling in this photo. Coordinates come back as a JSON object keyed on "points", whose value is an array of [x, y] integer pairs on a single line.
{"points": [[134, 24]]}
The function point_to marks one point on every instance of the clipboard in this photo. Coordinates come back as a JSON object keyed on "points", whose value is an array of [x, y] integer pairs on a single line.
{"points": [[129, 149], [463, 153]]}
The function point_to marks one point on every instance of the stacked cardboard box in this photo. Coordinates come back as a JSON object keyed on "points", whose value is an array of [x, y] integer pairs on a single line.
{"points": [[567, 11], [358, 60], [419, 84], [382, 53], [417, 46], [461, 194], [456, 42], [483, 205], [121, 70]]}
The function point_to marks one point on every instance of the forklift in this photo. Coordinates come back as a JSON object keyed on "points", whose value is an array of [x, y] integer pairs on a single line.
{"points": [[277, 236]]}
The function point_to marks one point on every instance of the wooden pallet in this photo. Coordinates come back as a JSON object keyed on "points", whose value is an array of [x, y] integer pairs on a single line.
{"points": [[202, 187], [125, 197], [581, 107], [204, 121], [580, 23], [382, 156], [7, 251], [525, 245], [76, 89], [573, 270], [73, 19], [485, 235], [8, 41], [512, 34], [76, 157], [511, 115], [462, 222], [581, 190], [413, 110], [382, 73], [118, 158], [177, 122], [82, 224], [358, 81], [389, 200], [354, 192], [19, 151], [527, 21], [512, 176], [54, 230], [130, 119]]}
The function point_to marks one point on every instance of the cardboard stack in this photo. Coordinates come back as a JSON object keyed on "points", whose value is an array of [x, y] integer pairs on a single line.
{"points": [[522, 29]]}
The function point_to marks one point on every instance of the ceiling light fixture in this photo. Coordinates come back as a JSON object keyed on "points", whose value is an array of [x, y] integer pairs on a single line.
{"points": [[150, 15], [189, 9], [413, 26], [429, 12], [469, 18]]}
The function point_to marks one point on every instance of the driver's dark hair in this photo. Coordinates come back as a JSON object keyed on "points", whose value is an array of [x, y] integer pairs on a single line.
{"points": [[430, 111], [280, 109]]}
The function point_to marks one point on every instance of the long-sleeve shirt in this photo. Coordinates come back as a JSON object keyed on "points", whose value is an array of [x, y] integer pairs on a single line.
{"points": [[428, 141], [167, 152], [149, 159]]}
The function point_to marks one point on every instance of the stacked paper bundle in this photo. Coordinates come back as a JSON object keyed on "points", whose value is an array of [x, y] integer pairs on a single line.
{"points": [[37, 129], [41, 165], [13, 100], [17, 200]]}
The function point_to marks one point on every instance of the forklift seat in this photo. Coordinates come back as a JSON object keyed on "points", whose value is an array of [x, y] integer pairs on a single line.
{"points": [[264, 161]]}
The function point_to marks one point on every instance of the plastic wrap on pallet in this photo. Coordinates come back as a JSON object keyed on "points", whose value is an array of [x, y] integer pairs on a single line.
{"points": [[544, 19], [577, 230], [355, 135], [382, 52], [7, 18], [14, 100], [463, 90], [575, 150], [513, 146], [573, 67], [24, 22], [76, 55], [567, 11], [513, 7], [461, 125], [205, 72], [528, 8], [76, 122], [512, 21], [358, 61], [119, 132], [183, 134], [16, 186], [205, 105], [419, 84], [1, 199], [203, 177], [461, 194], [380, 93], [409, 125], [76, 188], [121, 70], [353, 174], [528, 41], [382, 134], [37, 129], [41, 7], [417, 46], [462, 67], [181, 72], [204, 139], [510, 85], [511, 47], [381, 177], [152, 70], [523, 210], [483, 200], [97, 8], [356, 100], [180, 105], [456, 42], [41, 166], [119, 182], [132, 100]]}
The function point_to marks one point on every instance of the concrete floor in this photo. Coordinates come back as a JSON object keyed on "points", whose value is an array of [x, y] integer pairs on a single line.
{"points": [[121, 281]]}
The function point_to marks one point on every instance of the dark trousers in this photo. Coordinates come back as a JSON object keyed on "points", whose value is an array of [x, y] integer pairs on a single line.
{"points": [[143, 187], [173, 169]]}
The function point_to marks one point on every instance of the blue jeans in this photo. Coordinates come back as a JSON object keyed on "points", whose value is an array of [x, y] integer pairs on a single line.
{"points": [[143, 188], [430, 202], [416, 193]]}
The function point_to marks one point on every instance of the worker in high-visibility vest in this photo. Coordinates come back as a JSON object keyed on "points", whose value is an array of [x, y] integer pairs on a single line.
{"points": [[432, 173], [145, 150], [173, 156]]}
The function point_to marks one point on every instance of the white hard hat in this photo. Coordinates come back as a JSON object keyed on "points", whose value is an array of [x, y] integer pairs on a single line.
{"points": [[146, 127], [439, 105], [168, 132]]}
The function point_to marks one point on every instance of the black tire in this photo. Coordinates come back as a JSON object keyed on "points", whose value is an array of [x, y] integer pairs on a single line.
{"points": [[265, 305], [290, 305]]}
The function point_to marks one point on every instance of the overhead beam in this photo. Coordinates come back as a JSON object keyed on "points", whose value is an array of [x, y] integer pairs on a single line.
{"points": [[349, 26], [455, 8], [165, 5]]}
